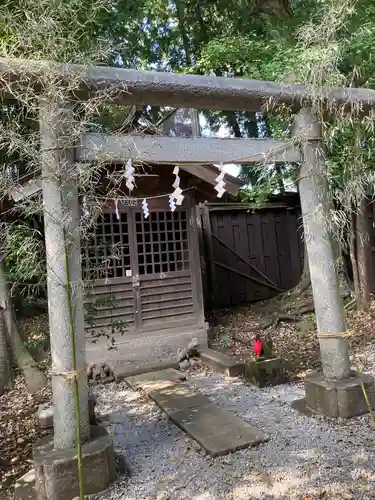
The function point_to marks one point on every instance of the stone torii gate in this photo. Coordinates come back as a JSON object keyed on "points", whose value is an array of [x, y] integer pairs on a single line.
{"points": [[337, 391]]}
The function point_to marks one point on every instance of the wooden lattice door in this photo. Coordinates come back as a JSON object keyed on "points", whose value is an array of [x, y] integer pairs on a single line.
{"points": [[163, 279], [139, 272], [107, 264]]}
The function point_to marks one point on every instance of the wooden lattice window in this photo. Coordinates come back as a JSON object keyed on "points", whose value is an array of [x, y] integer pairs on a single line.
{"points": [[106, 254], [162, 242]]}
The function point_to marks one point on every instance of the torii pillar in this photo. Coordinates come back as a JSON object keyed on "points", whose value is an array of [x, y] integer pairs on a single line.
{"points": [[55, 457], [337, 390]]}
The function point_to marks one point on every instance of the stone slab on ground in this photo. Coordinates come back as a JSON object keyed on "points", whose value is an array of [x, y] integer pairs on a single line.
{"points": [[155, 380], [122, 372], [265, 372], [339, 398], [216, 429], [178, 397], [232, 367]]}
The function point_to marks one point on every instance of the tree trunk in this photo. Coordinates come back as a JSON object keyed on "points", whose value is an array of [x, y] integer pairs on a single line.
{"points": [[305, 280], [184, 35], [203, 37], [363, 239], [251, 124], [6, 378], [342, 274], [353, 259], [35, 379], [233, 124], [195, 125], [280, 181]]}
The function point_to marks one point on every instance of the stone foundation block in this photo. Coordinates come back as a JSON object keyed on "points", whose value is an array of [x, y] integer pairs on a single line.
{"points": [[339, 398], [220, 362], [56, 473], [265, 372], [45, 413]]}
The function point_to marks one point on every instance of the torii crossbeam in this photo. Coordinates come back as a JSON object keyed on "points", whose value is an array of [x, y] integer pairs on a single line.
{"points": [[129, 86]]}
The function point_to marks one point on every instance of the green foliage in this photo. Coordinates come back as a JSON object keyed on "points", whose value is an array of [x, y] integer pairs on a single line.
{"points": [[24, 254], [267, 181], [245, 55], [224, 340], [66, 31], [92, 310], [331, 48]]}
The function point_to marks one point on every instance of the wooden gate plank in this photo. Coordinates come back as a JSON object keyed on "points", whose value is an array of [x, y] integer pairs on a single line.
{"points": [[292, 219], [282, 248], [207, 232], [270, 284], [204, 269], [245, 275]]}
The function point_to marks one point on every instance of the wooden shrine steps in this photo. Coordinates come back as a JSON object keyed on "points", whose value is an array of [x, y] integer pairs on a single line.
{"points": [[216, 429]]}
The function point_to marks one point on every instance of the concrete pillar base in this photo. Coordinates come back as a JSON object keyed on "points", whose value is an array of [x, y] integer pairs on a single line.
{"points": [[339, 398], [56, 473]]}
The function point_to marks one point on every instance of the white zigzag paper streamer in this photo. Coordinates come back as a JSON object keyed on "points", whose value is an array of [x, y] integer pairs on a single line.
{"points": [[176, 183], [172, 204], [145, 209], [220, 184], [177, 193], [179, 199], [129, 175]]}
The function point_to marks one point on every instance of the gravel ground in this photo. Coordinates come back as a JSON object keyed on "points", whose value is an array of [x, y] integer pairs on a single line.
{"points": [[305, 458]]}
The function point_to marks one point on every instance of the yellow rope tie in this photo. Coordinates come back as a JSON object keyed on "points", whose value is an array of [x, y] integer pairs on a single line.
{"points": [[337, 335], [72, 375]]}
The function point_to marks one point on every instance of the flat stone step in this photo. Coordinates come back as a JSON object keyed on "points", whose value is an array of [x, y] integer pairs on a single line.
{"points": [[155, 380], [232, 367], [217, 430], [123, 372], [177, 397]]}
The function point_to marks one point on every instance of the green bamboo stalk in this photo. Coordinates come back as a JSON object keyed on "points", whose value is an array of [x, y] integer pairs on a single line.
{"points": [[75, 380], [357, 371]]}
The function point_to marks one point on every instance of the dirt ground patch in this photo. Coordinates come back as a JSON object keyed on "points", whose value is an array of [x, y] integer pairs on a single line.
{"points": [[18, 422], [18, 430]]}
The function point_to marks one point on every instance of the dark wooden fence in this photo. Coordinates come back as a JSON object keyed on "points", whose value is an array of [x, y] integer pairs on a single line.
{"points": [[252, 254], [249, 254]]}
